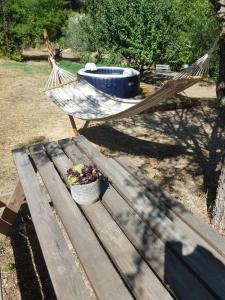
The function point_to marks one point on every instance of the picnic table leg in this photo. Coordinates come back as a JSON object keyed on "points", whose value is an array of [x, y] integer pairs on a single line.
{"points": [[76, 132], [11, 208], [86, 124]]}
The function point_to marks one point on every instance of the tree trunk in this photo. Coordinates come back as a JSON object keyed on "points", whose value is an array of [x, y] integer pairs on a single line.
{"points": [[219, 206]]}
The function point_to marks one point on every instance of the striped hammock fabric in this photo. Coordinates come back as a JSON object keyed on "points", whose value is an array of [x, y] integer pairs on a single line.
{"points": [[82, 100]]}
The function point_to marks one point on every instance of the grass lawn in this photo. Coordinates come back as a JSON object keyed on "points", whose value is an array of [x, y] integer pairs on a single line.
{"points": [[29, 68]]}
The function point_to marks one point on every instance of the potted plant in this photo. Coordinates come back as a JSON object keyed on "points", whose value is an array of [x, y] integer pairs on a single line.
{"points": [[84, 181]]}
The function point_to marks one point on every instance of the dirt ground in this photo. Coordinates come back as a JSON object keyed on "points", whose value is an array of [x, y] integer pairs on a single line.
{"points": [[171, 147]]}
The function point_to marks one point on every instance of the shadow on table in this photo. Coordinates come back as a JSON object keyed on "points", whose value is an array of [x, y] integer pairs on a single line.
{"points": [[197, 133], [208, 273], [171, 248]]}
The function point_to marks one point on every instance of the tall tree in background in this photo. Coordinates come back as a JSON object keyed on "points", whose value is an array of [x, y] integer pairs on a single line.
{"points": [[218, 134], [23, 21], [143, 32], [8, 42]]}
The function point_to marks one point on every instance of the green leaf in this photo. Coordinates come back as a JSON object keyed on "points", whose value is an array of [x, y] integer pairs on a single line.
{"points": [[78, 168], [71, 180]]}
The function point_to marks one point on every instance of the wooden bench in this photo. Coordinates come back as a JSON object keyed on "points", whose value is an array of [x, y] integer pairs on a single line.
{"points": [[162, 68], [136, 243]]}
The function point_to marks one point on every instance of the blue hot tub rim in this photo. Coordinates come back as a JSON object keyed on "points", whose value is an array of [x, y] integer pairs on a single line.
{"points": [[113, 80]]}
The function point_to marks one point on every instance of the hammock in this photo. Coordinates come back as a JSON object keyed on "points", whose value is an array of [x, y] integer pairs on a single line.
{"points": [[82, 100]]}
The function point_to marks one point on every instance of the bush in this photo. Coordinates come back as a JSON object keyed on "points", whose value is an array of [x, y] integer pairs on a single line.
{"points": [[144, 32], [22, 23], [74, 35]]}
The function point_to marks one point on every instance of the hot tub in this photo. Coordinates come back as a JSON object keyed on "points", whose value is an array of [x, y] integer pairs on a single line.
{"points": [[116, 81]]}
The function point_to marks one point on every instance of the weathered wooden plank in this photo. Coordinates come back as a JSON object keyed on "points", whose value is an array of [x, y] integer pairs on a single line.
{"points": [[137, 274], [156, 199], [75, 154], [4, 198], [202, 262], [65, 276], [104, 278], [204, 230], [180, 278], [168, 266], [14, 203], [139, 277]]}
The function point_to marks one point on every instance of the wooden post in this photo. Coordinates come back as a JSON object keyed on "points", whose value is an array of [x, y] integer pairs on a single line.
{"points": [[10, 210], [76, 132], [86, 124], [4, 198]]}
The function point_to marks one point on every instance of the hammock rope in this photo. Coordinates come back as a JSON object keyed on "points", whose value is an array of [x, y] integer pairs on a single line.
{"points": [[82, 100]]}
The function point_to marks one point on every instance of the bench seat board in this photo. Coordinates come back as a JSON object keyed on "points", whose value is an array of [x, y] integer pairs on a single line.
{"points": [[105, 280], [161, 258], [74, 153], [139, 277], [154, 204], [181, 278], [196, 224], [58, 258], [206, 267]]}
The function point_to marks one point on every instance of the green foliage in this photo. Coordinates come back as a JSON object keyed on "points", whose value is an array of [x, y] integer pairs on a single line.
{"points": [[143, 32], [196, 33], [74, 36], [23, 21], [26, 69], [70, 65]]}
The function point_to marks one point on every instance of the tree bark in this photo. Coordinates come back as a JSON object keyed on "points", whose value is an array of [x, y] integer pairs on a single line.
{"points": [[219, 205]]}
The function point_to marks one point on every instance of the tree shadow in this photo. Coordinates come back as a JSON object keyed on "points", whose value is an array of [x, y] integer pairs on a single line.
{"points": [[165, 243], [194, 133], [206, 145], [44, 57], [156, 78], [115, 140], [33, 278], [190, 258]]}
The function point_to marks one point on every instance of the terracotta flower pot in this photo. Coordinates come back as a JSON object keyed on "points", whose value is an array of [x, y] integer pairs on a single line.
{"points": [[86, 193]]}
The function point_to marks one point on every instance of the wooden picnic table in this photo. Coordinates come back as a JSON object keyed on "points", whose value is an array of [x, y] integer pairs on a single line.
{"points": [[137, 242]]}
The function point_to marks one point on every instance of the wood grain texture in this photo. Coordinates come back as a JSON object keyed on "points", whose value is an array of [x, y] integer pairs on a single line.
{"points": [[204, 230], [137, 274], [104, 278], [139, 277], [4, 198], [156, 198], [65, 276], [182, 281], [163, 261], [202, 262], [13, 204], [73, 151]]}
